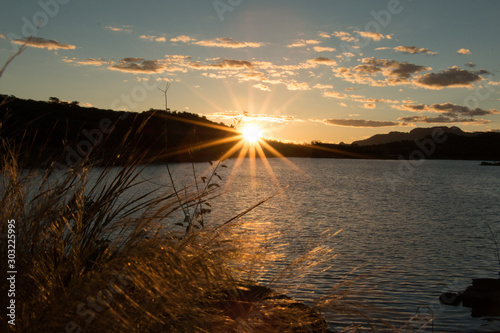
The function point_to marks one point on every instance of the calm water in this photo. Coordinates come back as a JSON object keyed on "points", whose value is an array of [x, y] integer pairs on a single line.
{"points": [[413, 233]]}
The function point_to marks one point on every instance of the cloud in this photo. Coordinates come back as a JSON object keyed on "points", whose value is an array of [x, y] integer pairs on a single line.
{"points": [[369, 105], [153, 38], [453, 77], [344, 36], [335, 94], [448, 109], [323, 34], [464, 51], [323, 49], [303, 42], [297, 86], [395, 68], [227, 43], [376, 100], [231, 115], [182, 38], [413, 50], [371, 69], [261, 87], [138, 65], [360, 123], [323, 61], [88, 61], [323, 86], [214, 76], [223, 42], [373, 35], [470, 64], [223, 64], [2, 36], [441, 120], [43, 43], [123, 28]]}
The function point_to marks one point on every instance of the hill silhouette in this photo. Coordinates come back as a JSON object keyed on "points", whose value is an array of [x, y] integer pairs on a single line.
{"points": [[414, 134], [65, 133]]}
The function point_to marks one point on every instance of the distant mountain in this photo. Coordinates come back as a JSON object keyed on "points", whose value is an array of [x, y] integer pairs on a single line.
{"points": [[414, 134]]}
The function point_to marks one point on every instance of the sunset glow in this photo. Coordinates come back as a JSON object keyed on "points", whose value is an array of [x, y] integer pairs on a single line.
{"points": [[251, 133], [339, 72]]}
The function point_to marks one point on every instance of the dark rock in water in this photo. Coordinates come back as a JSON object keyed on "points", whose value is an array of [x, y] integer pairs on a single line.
{"points": [[483, 292], [260, 308], [483, 297], [490, 163], [451, 298]]}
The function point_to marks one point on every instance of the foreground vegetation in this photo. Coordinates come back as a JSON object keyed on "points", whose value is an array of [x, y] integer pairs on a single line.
{"points": [[93, 255]]}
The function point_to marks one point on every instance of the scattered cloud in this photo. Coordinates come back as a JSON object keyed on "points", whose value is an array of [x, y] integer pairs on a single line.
{"points": [[464, 51], [153, 38], [413, 50], [223, 64], [453, 77], [232, 115], [297, 86], [2, 36], [87, 62], [261, 87], [369, 105], [323, 34], [182, 38], [447, 109], [43, 43], [323, 86], [380, 72], [373, 35], [123, 28], [344, 36], [335, 94], [441, 120], [323, 49], [470, 65], [222, 42], [214, 76], [360, 123], [138, 65], [226, 42], [304, 42], [376, 100], [323, 61]]}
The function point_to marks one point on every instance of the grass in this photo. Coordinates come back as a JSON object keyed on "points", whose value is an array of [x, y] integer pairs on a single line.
{"points": [[92, 255]]}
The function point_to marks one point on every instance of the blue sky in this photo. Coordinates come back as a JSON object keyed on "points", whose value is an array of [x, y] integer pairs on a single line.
{"points": [[317, 70]]}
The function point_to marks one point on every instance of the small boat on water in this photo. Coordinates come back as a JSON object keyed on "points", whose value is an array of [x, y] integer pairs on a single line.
{"points": [[490, 163]]}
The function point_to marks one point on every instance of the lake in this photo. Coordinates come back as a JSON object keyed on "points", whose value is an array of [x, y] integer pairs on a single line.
{"points": [[410, 232]]}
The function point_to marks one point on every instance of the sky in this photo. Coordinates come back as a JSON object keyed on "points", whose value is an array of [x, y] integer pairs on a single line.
{"points": [[332, 71]]}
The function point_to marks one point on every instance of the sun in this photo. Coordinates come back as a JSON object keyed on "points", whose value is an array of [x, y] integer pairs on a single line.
{"points": [[251, 133]]}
